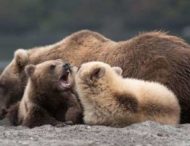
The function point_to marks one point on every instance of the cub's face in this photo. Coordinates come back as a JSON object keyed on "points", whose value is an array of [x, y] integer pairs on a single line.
{"points": [[52, 75], [96, 75]]}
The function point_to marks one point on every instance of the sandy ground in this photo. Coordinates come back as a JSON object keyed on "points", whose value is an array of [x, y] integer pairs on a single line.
{"points": [[143, 134]]}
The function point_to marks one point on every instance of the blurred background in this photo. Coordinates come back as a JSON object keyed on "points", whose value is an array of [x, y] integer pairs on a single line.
{"points": [[29, 23]]}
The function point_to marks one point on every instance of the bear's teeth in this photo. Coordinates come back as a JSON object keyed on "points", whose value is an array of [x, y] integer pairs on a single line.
{"points": [[64, 85]]}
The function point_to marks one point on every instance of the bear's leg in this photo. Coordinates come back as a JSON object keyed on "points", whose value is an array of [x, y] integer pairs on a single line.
{"points": [[74, 114], [60, 113], [38, 116], [69, 115], [74, 111], [70, 110], [12, 114]]}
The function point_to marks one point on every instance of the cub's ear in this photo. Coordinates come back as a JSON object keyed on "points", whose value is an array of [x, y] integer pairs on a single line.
{"points": [[21, 58], [98, 72], [29, 69], [118, 70]]}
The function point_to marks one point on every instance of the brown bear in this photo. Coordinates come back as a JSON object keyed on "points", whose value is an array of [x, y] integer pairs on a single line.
{"points": [[152, 56], [111, 100], [47, 97]]}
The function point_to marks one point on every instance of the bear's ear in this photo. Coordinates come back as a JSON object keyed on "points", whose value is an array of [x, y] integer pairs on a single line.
{"points": [[29, 69], [98, 73], [21, 58], [118, 70]]}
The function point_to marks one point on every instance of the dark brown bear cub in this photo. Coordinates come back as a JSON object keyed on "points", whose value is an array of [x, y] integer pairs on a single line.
{"points": [[47, 98]]}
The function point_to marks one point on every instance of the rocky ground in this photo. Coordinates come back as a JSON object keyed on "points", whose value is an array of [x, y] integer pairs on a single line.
{"points": [[143, 134]]}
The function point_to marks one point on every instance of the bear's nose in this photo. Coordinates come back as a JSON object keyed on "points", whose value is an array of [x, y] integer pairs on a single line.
{"points": [[66, 67]]}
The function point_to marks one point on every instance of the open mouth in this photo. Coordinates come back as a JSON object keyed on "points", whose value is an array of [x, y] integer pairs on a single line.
{"points": [[64, 81]]}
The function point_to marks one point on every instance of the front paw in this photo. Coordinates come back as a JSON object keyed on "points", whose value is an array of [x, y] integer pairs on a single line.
{"points": [[63, 124], [69, 123], [60, 124]]}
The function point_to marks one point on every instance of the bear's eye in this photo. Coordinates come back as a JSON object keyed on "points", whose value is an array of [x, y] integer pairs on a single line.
{"points": [[52, 67]]}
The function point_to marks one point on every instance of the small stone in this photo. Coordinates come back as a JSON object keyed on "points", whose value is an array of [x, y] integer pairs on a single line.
{"points": [[160, 134]]}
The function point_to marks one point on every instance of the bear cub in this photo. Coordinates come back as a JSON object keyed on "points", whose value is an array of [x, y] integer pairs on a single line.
{"points": [[48, 98], [109, 99]]}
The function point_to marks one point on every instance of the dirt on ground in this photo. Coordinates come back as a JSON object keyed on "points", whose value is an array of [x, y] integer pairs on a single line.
{"points": [[142, 134]]}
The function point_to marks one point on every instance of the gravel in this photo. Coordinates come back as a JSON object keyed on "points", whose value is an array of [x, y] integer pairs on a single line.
{"points": [[142, 134]]}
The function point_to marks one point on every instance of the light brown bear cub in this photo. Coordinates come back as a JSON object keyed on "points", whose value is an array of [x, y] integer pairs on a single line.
{"points": [[109, 99], [47, 98]]}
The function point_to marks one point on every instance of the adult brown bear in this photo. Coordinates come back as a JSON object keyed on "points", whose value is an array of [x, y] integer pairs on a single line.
{"points": [[150, 56]]}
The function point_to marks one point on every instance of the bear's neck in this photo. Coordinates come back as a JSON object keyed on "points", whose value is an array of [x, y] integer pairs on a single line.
{"points": [[38, 95], [73, 49], [41, 54]]}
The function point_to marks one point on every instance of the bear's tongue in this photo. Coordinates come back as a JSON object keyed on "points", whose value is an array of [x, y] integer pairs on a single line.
{"points": [[64, 81]]}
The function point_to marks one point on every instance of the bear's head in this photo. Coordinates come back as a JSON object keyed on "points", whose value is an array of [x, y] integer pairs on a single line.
{"points": [[96, 76], [52, 75], [13, 80]]}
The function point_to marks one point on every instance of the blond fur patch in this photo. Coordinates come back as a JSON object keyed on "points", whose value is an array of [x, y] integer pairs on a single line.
{"points": [[116, 101]]}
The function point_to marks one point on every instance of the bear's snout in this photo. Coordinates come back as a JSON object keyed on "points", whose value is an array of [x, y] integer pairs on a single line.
{"points": [[66, 67]]}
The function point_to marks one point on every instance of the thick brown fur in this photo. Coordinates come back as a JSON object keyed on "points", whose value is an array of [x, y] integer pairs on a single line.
{"points": [[45, 101], [152, 56], [109, 99]]}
